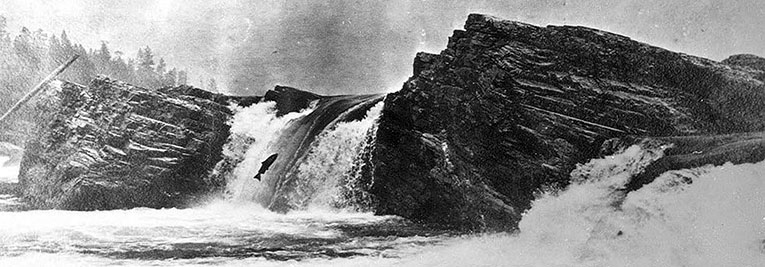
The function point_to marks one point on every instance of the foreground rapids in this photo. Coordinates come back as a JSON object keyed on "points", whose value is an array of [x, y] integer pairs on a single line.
{"points": [[560, 145], [216, 234], [708, 216]]}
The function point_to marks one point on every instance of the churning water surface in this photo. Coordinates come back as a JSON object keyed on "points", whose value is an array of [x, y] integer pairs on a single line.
{"points": [[709, 216]]}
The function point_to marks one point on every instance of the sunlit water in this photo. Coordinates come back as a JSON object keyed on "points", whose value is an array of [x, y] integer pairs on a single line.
{"points": [[709, 216]]}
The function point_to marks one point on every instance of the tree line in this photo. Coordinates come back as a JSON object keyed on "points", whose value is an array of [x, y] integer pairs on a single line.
{"points": [[28, 56]]}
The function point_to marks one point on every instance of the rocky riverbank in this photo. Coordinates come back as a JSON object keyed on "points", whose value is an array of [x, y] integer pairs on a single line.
{"points": [[509, 109]]}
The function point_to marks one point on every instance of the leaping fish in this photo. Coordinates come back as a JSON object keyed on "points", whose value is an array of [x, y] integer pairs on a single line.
{"points": [[265, 165]]}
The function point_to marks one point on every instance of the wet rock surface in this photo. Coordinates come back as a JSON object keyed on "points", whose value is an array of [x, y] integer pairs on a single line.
{"points": [[509, 109]]}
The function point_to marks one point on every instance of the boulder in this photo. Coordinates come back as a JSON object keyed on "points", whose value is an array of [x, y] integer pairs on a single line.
{"points": [[289, 99], [509, 109], [112, 145]]}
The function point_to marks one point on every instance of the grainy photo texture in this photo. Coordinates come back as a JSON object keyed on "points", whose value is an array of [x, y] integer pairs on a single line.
{"points": [[382, 133]]}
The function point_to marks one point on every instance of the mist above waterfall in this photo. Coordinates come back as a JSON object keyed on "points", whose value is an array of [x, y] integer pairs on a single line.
{"points": [[335, 47]]}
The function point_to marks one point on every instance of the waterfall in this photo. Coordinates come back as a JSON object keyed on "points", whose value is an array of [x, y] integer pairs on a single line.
{"points": [[318, 148], [329, 163], [255, 131], [706, 216]]}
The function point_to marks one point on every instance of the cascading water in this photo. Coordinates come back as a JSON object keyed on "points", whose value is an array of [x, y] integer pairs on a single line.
{"points": [[317, 149], [328, 165], [708, 216], [238, 229], [255, 131]]}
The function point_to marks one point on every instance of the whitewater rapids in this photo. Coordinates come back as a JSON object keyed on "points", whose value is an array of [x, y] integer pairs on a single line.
{"points": [[708, 216]]}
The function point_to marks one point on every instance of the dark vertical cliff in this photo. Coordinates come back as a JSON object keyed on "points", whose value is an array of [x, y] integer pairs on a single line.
{"points": [[509, 108]]}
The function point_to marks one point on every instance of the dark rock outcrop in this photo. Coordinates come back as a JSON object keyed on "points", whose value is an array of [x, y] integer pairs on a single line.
{"points": [[112, 145], [244, 101], [687, 152], [510, 108], [289, 99], [751, 62]]}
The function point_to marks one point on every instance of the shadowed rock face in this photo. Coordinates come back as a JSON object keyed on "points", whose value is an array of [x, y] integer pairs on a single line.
{"points": [[112, 145], [750, 63], [510, 108]]}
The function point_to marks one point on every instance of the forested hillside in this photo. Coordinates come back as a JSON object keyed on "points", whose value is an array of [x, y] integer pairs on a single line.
{"points": [[26, 57]]}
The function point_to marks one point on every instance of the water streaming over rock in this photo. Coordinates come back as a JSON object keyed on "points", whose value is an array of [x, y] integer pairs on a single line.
{"points": [[708, 216], [255, 132], [327, 167]]}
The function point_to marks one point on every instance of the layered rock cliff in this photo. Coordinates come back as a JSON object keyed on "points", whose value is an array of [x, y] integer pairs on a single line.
{"points": [[508, 109], [112, 145]]}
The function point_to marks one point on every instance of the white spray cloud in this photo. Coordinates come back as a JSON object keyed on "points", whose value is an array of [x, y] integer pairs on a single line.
{"points": [[710, 216]]}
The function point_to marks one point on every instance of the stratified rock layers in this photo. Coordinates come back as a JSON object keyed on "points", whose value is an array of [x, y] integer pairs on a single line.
{"points": [[510, 108], [111, 145]]}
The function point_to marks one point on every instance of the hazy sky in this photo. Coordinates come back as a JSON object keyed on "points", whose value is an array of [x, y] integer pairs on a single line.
{"points": [[347, 46]]}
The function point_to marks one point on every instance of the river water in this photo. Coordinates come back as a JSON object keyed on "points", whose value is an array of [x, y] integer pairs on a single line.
{"points": [[709, 216]]}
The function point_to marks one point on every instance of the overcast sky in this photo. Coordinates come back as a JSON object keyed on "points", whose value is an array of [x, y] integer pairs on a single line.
{"points": [[347, 46]]}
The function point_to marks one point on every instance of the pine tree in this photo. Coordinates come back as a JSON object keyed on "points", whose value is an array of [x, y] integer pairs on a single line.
{"points": [[131, 72], [103, 59], [161, 66], [27, 57], [147, 77], [65, 43], [145, 59], [54, 49], [171, 78], [183, 78], [24, 47]]}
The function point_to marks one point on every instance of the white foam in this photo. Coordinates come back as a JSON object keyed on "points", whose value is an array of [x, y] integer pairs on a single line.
{"points": [[330, 159], [254, 131], [57, 238], [8, 174], [717, 220]]}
